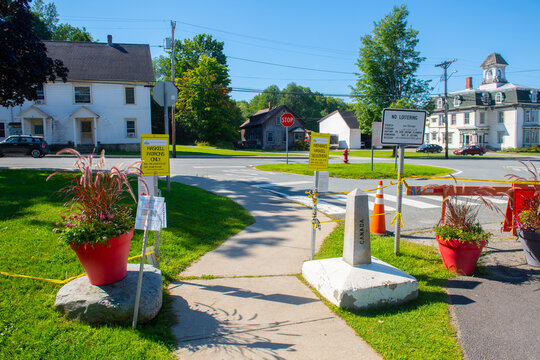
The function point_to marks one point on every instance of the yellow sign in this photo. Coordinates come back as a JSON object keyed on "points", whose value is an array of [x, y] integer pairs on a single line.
{"points": [[318, 152], [155, 154]]}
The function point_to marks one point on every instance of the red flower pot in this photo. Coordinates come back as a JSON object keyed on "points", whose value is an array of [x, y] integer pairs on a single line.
{"points": [[460, 257], [105, 263]]}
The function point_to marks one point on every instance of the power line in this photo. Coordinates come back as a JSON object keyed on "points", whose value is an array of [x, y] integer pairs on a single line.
{"points": [[289, 66]]}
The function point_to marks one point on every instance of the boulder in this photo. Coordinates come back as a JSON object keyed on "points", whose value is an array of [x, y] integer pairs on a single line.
{"points": [[113, 303]]}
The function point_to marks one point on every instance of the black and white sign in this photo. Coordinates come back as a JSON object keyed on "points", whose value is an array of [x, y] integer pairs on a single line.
{"points": [[403, 127], [151, 213]]}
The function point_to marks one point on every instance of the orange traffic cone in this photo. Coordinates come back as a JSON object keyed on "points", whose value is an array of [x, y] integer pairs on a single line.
{"points": [[378, 221]]}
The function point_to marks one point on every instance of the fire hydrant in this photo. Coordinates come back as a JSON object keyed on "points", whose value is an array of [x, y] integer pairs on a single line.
{"points": [[346, 156]]}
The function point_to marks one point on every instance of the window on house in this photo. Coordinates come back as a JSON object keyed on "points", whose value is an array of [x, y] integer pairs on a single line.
{"points": [[441, 120], [501, 117], [131, 128], [482, 118], [38, 129], [40, 95], [486, 138], [2, 130], [500, 137], [486, 99], [129, 92], [270, 136], [466, 118], [440, 103], [530, 116], [434, 119], [82, 94], [457, 101], [499, 98], [427, 138], [433, 136], [284, 137], [534, 96], [453, 120], [450, 137], [530, 137], [278, 120]]}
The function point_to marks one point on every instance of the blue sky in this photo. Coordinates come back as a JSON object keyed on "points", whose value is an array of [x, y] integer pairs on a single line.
{"points": [[325, 35]]}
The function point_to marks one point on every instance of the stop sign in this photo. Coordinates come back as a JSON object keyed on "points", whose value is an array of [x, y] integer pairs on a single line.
{"points": [[287, 119]]}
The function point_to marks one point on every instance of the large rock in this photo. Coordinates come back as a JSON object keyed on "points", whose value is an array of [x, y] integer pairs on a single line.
{"points": [[112, 303]]}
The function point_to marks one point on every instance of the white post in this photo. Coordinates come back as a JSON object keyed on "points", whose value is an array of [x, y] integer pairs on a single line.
{"points": [[45, 129], [95, 132], [139, 281], [399, 198], [75, 132], [22, 126]]}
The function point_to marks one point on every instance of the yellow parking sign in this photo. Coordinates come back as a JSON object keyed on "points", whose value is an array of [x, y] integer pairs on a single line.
{"points": [[155, 154], [318, 151]]}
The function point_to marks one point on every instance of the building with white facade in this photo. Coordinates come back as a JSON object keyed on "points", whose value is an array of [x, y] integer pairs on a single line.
{"points": [[497, 114], [345, 125], [105, 102]]}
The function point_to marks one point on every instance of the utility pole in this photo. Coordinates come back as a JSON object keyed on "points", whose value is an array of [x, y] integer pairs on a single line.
{"points": [[445, 65], [173, 129]]}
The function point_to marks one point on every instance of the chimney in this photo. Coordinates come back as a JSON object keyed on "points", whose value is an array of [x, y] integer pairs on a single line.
{"points": [[269, 105], [109, 39], [468, 83]]}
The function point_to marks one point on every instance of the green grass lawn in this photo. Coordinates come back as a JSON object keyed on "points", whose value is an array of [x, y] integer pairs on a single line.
{"points": [[182, 150], [420, 329], [360, 171], [387, 153], [30, 327]]}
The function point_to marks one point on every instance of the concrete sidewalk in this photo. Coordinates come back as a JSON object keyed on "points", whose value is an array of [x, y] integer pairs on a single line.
{"points": [[259, 309]]}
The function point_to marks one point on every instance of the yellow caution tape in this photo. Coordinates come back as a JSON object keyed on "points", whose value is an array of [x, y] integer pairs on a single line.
{"points": [[60, 282], [330, 221], [397, 217]]}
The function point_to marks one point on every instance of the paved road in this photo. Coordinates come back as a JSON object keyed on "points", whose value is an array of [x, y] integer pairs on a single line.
{"points": [[419, 212]]}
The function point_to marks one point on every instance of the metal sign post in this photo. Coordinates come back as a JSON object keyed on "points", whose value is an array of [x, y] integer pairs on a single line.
{"points": [[399, 198], [402, 127], [287, 120], [318, 161], [314, 222]]}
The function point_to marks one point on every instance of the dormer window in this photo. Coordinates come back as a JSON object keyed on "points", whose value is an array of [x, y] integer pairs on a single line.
{"points": [[499, 97], [534, 96], [440, 103], [457, 101], [486, 99]]}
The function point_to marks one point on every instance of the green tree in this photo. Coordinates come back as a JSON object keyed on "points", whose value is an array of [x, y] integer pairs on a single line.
{"points": [[205, 110], [387, 65], [45, 24], [270, 95], [310, 106], [24, 65], [187, 55]]}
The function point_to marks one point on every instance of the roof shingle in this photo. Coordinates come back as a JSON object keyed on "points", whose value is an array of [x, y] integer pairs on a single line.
{"points": [[103, 62]]}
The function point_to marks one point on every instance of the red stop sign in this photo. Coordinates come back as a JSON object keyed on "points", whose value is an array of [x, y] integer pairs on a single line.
{"points": [[287, 119]]}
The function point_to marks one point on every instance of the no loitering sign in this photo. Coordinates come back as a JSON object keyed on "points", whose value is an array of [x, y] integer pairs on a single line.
{"points": [[319, 149], [403, 127], [155, 154]]}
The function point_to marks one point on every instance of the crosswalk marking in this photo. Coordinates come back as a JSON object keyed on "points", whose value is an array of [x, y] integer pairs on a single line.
{"points": [[409, 202], [283, 184]]}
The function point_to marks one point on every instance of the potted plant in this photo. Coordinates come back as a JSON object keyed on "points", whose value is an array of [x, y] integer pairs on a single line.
{"points": [[460, 236], [99, 226], [528, 220]]}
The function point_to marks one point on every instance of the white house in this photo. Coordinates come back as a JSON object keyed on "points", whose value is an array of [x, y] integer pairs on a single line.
{"points": [[497, 114], [343, 124], [105, 102]]}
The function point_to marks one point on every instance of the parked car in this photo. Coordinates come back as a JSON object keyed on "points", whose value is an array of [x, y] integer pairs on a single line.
{"points": [[429, 148], [471, 150], [25, 145]]}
